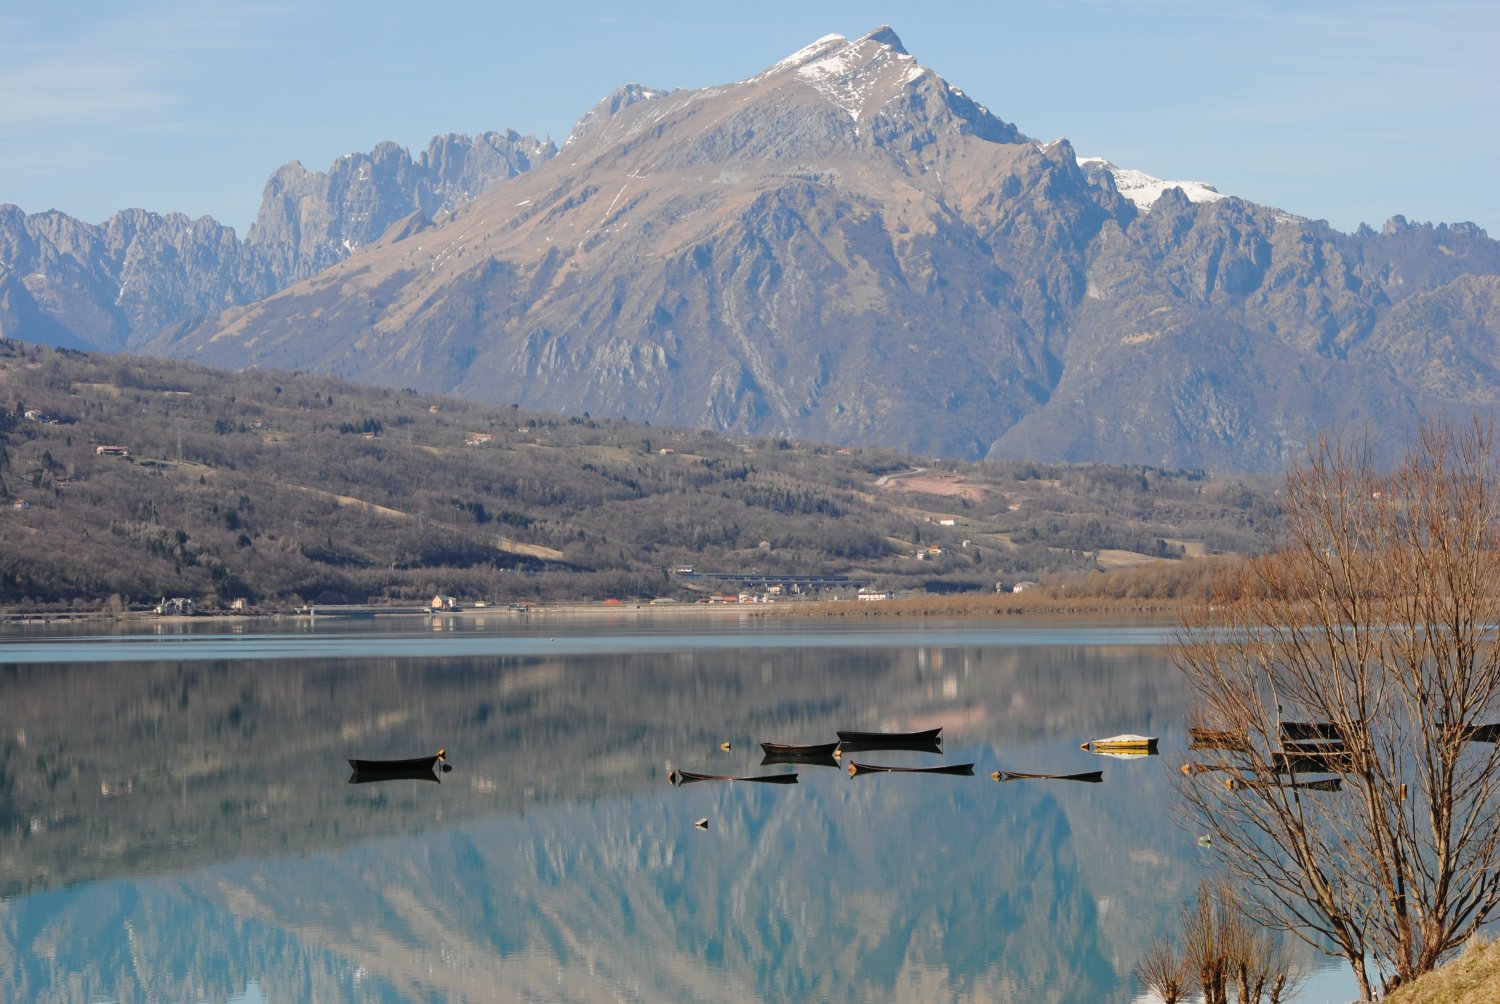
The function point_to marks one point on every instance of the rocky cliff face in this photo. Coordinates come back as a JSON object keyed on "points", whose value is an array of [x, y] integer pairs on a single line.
{"points": [[846, 247], [69, 283], [310, 220]]}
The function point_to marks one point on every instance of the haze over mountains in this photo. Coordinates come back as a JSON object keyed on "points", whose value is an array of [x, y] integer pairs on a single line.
{"points": [[843, 247]]}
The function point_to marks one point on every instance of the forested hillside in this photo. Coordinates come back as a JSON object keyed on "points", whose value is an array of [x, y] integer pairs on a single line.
{"points": [[124, 480]]}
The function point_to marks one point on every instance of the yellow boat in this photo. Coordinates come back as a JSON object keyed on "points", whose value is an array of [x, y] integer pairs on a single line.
{"points": [[1127, 744]]}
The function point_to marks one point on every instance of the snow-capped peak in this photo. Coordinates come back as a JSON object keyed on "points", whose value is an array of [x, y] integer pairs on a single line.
{"points": [[1141, 188], [857, 76]]}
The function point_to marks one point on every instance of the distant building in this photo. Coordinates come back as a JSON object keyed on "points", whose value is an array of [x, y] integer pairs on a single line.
{"points": [[20, 504], [177, 606], [441, 602], [112, 450]]}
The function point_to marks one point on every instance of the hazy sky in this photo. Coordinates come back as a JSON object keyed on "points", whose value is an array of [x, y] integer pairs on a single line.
{"points": [[1346, 110]]}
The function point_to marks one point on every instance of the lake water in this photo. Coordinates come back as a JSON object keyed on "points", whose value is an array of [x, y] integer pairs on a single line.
{"points": [[177, 821]]}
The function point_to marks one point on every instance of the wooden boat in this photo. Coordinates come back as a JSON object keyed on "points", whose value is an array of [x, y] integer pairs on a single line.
{"points": [[1332, 762], [1321, 784], [1488, 733], [1313, 731], [1483, 733], [680, 777], [394, 766], [413, 774], [1128, 743], [1217, 739], [1314, 748], [1089, 776], [951, 768], [915, 746], [819, 750], [926, 736]]}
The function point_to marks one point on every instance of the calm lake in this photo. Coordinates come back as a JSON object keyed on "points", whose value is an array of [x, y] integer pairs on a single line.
{"points": [[178, 822]]}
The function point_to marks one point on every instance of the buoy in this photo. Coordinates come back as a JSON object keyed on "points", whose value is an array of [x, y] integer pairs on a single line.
{"points": [[723, 746], [702, 824]]}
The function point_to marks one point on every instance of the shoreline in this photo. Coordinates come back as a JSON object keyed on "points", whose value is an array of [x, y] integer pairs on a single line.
{"points": [[960, 607]]}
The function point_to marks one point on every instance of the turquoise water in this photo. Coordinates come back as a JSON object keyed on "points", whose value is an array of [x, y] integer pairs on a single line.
{"points": [[177, 820]]}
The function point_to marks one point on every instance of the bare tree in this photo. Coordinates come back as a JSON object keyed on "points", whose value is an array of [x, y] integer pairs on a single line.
{"points": [[1341, 687], [1225, 948], [1165, 971]]}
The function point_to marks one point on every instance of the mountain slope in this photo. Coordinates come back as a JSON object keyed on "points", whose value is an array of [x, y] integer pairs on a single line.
{"points": [[842, 247]]}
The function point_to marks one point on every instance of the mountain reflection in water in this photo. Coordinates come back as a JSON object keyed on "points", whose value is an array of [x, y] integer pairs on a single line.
{"points": [[182, 828]]}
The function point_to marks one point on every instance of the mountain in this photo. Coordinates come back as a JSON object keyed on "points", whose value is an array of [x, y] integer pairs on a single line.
{"points": [[819, 250], [75, 285], [845, 247]]}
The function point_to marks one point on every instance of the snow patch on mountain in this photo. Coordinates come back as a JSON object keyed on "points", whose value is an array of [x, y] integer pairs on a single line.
{"points": [[850, 75], [806, 54], [1141, 188]]}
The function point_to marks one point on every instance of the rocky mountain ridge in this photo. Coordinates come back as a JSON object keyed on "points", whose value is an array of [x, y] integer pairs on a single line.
{"points": [[846, 247], [103, 287]]}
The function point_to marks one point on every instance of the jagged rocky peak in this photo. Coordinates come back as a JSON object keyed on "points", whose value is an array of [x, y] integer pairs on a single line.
{"points": [[459, 168], [887, 37], [1140, 187], [875, 79], [613, 104], [821, 103]]}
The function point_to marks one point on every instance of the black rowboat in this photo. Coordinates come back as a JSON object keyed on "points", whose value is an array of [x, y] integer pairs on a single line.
{"points": [[396, 766], [818, 750], [1313, 731], [1488, 733], [951, 768], [1088, 776], [926, 736], [919, 746], [416, 774], [687, 777]]}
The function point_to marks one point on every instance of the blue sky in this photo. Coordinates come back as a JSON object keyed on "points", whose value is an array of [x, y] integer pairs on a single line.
{"points": [[1341, 110]]}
